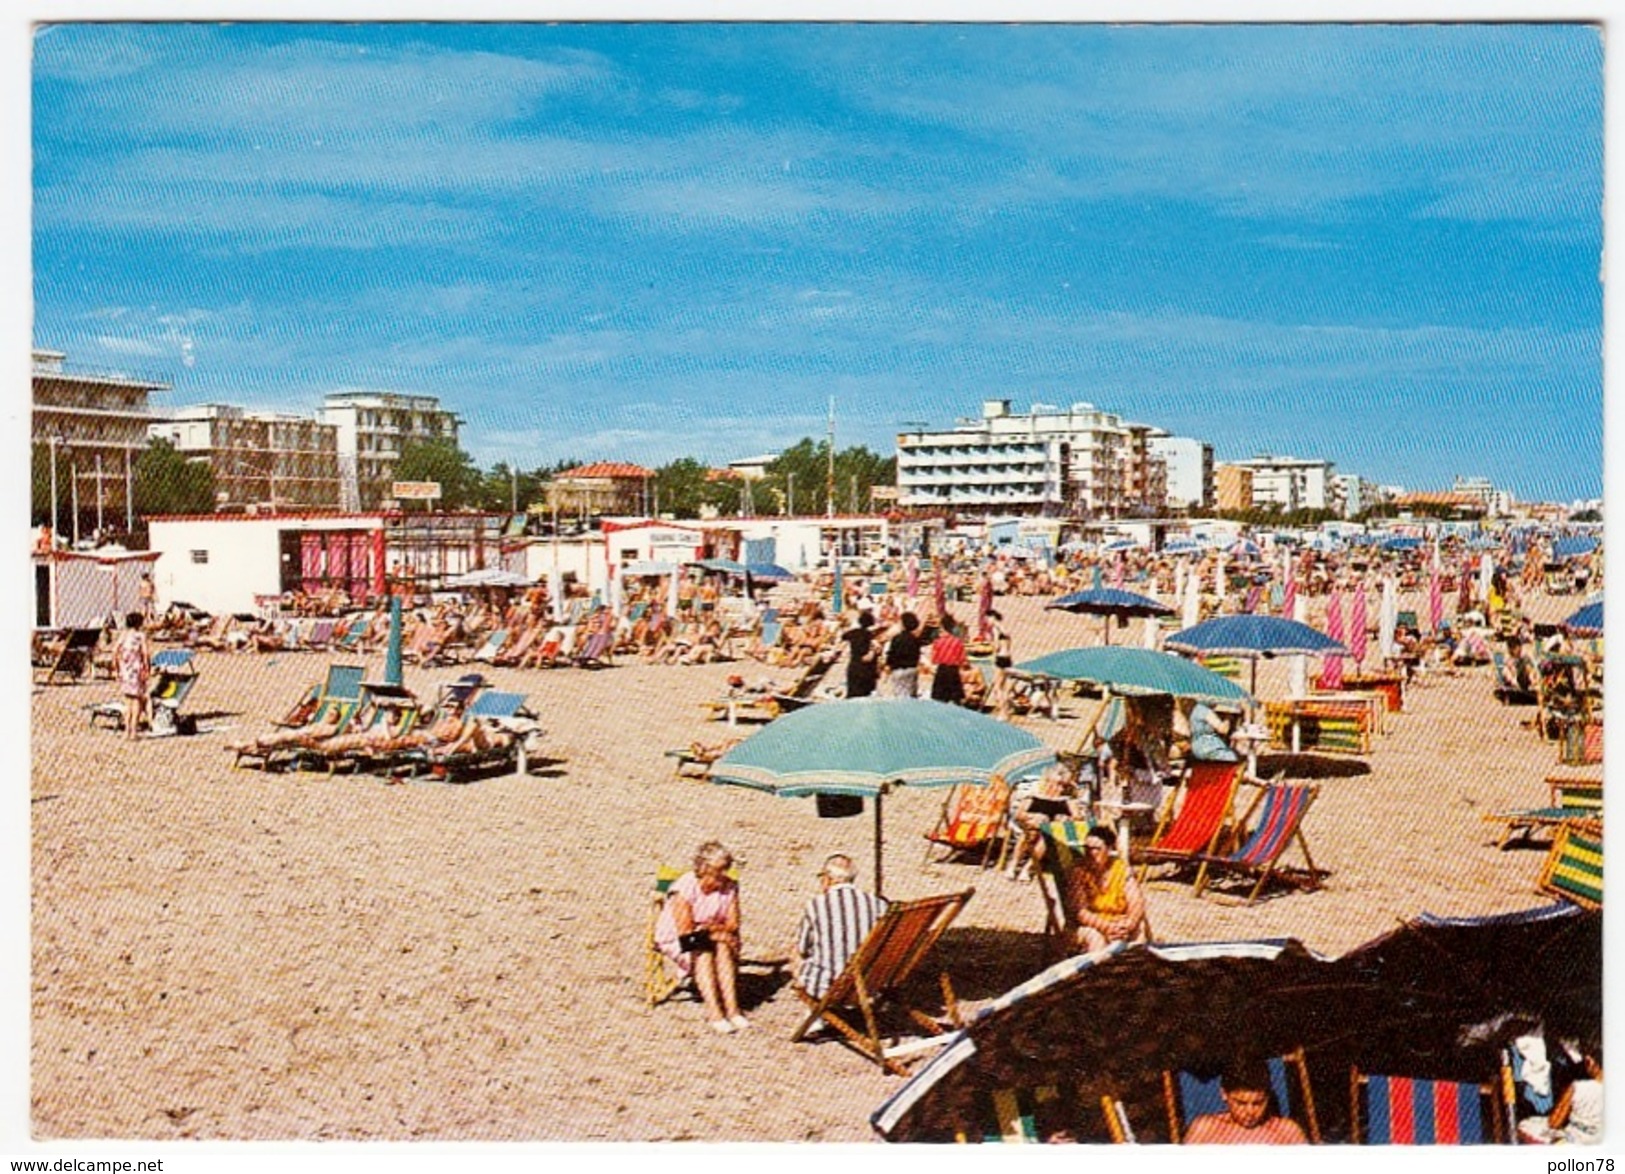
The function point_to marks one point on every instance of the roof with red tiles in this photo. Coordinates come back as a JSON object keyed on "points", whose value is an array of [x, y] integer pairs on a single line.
{"points": [[607, 469]]}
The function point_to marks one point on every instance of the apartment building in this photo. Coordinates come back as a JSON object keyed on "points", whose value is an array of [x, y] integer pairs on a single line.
{"points": [[372, 429], [269, 460], [1188, 468], [95, 424], [1292, 483], [1050, 461], [1233, 486]]}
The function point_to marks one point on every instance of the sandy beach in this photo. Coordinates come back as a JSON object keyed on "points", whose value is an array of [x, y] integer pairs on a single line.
{"points": [[223, 953]]}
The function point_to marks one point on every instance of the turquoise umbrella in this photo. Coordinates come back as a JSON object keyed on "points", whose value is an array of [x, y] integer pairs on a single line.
{"points": [[868, 745], [1138, 672]]}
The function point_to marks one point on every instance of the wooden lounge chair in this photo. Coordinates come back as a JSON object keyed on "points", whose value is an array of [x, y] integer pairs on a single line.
{"points": [[694, 761], [1197, 814], [973, 819], [507, 713], [391, 708], [1571, 799], [1403, 1110], [491, 646], [339, 693], [1573, 868], [1280, 808], [1015, 1116], [71, 660], [1188, 1096], [889, 955]]}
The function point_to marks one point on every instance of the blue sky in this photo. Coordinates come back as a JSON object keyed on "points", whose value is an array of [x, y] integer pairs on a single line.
{"points": [[1378, 244]]}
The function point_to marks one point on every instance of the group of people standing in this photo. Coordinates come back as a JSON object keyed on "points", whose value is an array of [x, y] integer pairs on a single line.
{"points": [[896, 654]]}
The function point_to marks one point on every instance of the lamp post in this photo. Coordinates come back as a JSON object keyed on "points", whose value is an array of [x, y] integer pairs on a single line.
{"points": [[55, 517]]}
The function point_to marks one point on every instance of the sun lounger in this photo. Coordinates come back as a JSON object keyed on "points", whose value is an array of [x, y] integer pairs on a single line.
{"points": [[1402, 1110], [173, 676], [491, 646], [506, 713], [339, 697], [391, 709], [1571, 799], [874, 975], [1280, 809]]}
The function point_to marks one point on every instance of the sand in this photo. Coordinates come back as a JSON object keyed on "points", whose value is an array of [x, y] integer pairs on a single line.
{"points": [[234, 954]]}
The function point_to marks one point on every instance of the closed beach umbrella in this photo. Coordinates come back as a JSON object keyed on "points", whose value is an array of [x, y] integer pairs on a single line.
{"points": [[1117, 571], [1486, 574], [867, 745], [836, 604], [392, 653], [1357, 626], [1218, 574], [1435, 596], [1193, 599], [1289, 594], [1331, 676], [1152, 631], [913, 576], [1389, 616], [1464, 589], [1095, 579], [555, 593]]}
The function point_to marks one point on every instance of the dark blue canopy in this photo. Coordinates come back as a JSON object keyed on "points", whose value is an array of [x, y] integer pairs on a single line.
{"points": [[1573, 546], [1587, 620], [1110, 601], [1254, 636]]}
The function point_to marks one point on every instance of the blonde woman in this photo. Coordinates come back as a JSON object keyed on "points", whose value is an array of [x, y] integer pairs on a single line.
{"points": [[699, 930]]}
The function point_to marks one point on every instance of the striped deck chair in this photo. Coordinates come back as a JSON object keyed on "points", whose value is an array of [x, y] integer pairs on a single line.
{"points": [[1573, 868], [71, 660], [1280, 808], [1018, 1116], [1571, 799], [1196, 816], [1188, 1096], [1402, 1110], [888, 957], [972, 819], [1225, 666], [340, 692], [354, 634], [492, 645], [320, 636], [1063, 848]]}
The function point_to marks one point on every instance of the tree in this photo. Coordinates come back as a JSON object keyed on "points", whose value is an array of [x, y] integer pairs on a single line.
{"points": [[439, 459], [681, 487], [503, 486], [799, 476], [167, 483]]}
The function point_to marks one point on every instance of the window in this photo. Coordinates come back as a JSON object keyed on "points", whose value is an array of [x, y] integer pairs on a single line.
{"points": [[200, 556]]}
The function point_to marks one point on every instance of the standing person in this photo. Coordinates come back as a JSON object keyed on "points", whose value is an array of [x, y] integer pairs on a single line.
{"points": [[903, 658], [699, 930], [148, 595], [833, 925], [132, 659], [862, 654], [999, 701], [948, 662]]}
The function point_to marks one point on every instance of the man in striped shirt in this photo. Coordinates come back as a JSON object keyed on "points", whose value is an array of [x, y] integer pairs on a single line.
{"points": [[834, 925]]}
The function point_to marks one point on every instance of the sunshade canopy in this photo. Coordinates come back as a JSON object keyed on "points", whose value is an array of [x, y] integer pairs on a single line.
{"points": [[1138, 672], [1110, 601], [1587, 621], [770, 571], [1254, 636]]}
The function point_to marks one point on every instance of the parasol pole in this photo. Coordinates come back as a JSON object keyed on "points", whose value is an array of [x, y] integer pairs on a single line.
{"points": [[879, 839]]}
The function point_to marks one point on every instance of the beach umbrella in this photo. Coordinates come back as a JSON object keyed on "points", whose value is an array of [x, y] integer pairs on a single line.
{"points": [[1181, 546], [868, 745], [720, 566], [1118, 545], [913, 587], [488, 577], [1435, 598], [1400, 542], [1111, 603], [1218, 574], [555, 593], [671, 594], [1138, 672], [1254, 637], [1289, 593], [1096, 581], [939, 594], [838, 602], [1150, 634], [393, 674], [1193, 598], [1358, 624], [1245, 548], [769, 572], [1574, 546], [1331, 674], [1486, 575], [1585, 622]]}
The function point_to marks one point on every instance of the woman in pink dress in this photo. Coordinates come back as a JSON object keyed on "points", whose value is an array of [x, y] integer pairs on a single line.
{"points": [[699, 930], [132, 660]]}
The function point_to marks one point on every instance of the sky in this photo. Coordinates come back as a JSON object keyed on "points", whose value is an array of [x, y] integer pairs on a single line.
{"points": [[1379, 244]]}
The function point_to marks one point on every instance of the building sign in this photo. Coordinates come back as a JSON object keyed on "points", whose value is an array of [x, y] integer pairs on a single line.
{"points": [[675, 538], [415, 490], [883, 493]]}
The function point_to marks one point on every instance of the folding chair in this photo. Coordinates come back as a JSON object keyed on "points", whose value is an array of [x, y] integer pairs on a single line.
{"points": [[340, 694], [1196, 815], [661, 978], [73, 659], [491, 646], [1015, 1115], [1508, 690], [506, 711], [972, 818], [1063, 848], [1188, 1096], [891, 953], [1573, 868], [1403, 1110], [386, 707], [1571, 799], [173, 677], [1280, 809]]}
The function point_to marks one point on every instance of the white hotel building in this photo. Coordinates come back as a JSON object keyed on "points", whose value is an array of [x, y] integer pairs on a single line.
{"points": [[1049, 461], [373, 427]]}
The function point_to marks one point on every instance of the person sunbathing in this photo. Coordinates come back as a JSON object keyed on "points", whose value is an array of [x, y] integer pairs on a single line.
{"points": [[707, 648], [326, 725], [375, 737], [1247, 1119]]}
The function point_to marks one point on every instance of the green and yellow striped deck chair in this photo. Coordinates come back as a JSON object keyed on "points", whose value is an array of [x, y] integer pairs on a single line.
{"points": [[1018, 1116], [886, 960], [1571, 799], [1225, 666], [1573, 869], [661, 978]]}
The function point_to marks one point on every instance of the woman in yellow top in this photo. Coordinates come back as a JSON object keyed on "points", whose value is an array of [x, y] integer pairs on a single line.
{"points": [[1103, 895]]}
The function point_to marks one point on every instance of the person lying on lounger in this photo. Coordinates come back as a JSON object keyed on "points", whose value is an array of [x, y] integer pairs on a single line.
{"points": [[328, 724]]}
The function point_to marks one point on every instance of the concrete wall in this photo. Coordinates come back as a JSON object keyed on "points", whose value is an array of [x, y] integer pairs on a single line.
{"points": [[221, 564]]}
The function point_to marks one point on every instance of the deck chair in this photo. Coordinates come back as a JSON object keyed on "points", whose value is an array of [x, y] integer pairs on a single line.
{"points": [[1573, 868], [767, 638], [1015, 1116], [1571, 799], [173, 675], [1188, 1096], [1196, 815], [694, 763], [509, 712], [1280, 808], [802, 693], [491, 646], [320, 635], [1508, 691], [888, 957], [388, 707], [1403, 1110], [340, 692], [355, 634], [1063, 847], [73, 658], [972, 819], [1225, 666], [661, 978]]}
